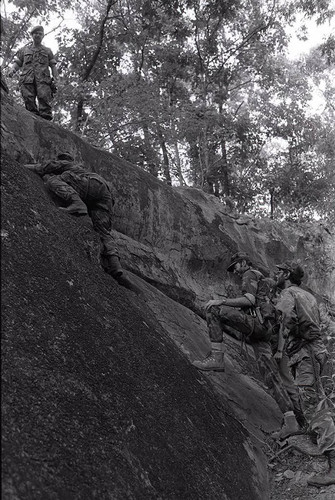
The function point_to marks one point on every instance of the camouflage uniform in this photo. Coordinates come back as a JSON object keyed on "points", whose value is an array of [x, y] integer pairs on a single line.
{"points": [[243, 324], [66, 179], [35, 80], [300, 318]]}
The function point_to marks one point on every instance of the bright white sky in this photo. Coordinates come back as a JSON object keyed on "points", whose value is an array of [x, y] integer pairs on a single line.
{"points": [[315, 34]]}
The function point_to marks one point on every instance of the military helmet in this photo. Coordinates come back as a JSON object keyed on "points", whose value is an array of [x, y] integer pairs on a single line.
{"points": [[65, 155], [37, 28], [237, 257]]}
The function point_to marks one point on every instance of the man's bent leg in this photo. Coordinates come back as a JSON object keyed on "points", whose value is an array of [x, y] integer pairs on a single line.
{"points": [[102, 224], [215, 361], [66, 193], [269, 371], [110, 260], [270, 374], [305, 379], [322, 422], [292, 390], [221, 319], [100, 204], [218, 318], [317, 409]]}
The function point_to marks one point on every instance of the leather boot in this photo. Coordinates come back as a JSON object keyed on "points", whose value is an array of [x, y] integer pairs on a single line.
{"points": [[77, 206], [289, 427], [214, 361], [113, 266], [325, 478]]}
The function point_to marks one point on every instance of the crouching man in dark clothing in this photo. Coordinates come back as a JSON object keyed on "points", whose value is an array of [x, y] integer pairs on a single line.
{"points": [[85, 193]]}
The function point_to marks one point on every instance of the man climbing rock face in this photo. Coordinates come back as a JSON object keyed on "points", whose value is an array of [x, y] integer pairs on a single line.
{"points": [[85, 193], [239, 317], [35, 81], [300, 329]]}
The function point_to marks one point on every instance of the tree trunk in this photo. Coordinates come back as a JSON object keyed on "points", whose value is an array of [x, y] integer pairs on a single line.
{"points": [[224, 168], [166, 163], [92, 62], [149, 153], [210, 179], [224, 176], [178, 164], [272, 191]]}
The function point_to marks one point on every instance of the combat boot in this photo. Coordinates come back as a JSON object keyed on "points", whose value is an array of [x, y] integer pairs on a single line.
{"points": [[289, 427], [77, 206], [112, 266], [214, 361], [325, 478]]}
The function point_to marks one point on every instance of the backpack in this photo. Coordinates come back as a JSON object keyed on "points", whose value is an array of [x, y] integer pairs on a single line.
{"points": [[265, 294], [264, 308]]}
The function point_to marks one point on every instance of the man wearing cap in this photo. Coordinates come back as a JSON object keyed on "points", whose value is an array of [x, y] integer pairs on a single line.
{"points": [[301, 334], [85, 193], [35, 81], [238, 314]]}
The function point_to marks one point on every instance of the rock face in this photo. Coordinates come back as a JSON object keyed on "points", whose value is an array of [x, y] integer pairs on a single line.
{"points": [[171, 236], [100, 397]]}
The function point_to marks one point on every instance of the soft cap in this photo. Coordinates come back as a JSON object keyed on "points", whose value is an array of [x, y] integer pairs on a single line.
{"points": [[293, 267], [37, 28], [237, 257], [65, 155]]}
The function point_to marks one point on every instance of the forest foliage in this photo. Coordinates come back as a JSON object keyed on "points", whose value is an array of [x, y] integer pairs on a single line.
{"points": [[199, 93]]}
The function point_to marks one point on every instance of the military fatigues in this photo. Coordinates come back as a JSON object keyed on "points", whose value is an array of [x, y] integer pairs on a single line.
{"points": [[35, 79], [65, 178], [225, 318], [300, 317]]}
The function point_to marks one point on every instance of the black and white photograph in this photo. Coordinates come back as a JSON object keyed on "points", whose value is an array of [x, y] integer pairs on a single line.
{"points": [[168, 249]]}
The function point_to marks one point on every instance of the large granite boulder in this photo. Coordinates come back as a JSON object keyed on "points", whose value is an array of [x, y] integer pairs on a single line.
{"points": [[100, 397]]}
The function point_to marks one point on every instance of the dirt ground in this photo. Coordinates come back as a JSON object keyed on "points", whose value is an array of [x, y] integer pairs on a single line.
{"points": [[289, 473]]}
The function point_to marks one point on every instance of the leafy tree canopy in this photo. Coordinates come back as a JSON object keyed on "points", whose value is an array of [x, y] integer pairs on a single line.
{"points": [[198, 92]]}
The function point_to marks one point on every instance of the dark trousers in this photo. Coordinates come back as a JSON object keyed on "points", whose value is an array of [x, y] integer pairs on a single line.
{"points": [[98, 199], [40, 91], [99, 205]]}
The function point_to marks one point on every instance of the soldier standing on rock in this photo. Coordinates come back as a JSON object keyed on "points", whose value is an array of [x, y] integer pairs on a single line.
{"points": [[85, 193], [35, 81], [300, 330]]}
